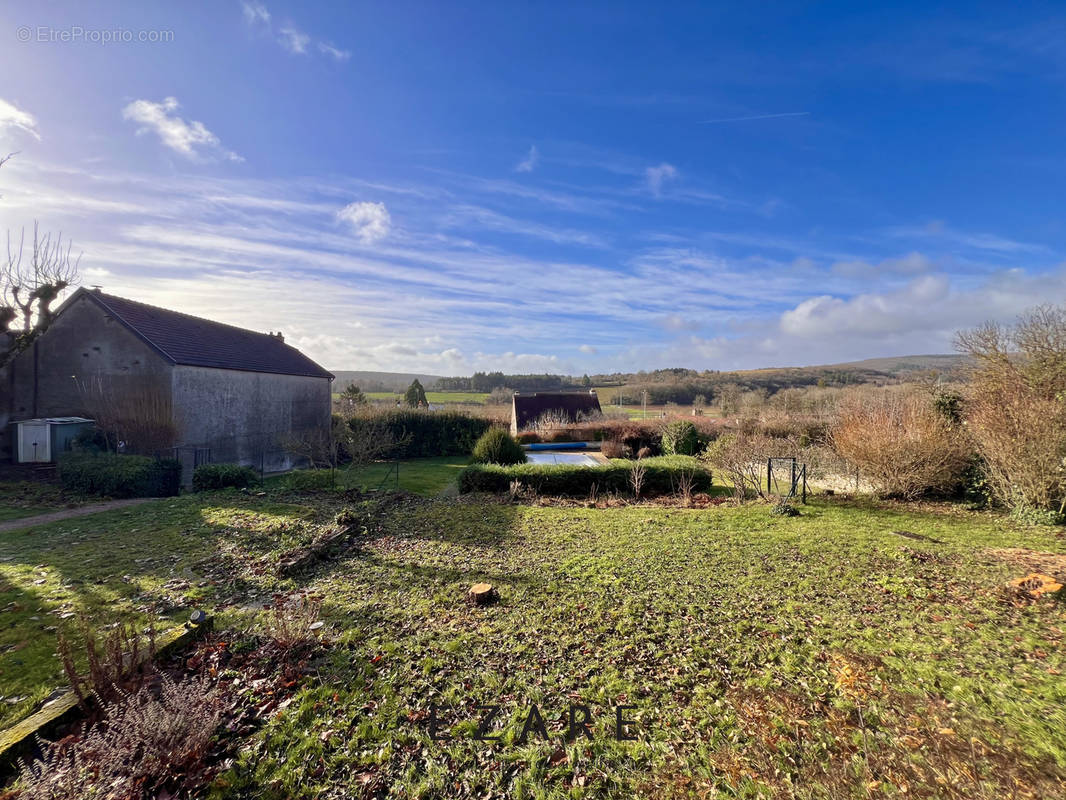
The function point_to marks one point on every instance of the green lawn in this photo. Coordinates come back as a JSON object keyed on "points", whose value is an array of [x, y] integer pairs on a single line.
{"points": [[424, 476], [26, 498], [816, 656]]}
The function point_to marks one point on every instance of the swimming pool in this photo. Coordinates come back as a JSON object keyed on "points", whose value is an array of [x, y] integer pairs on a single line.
{"points": [[554, 457]]}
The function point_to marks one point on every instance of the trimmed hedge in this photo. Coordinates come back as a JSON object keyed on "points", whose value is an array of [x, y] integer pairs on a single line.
{"points": [[570, 480], [432, 433], [310, 479], [119, 475], [208, 477], [497, 447]]}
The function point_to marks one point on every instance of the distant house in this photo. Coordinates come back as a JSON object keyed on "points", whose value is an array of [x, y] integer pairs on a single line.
{"points": [[526, 409], [217, 392]]}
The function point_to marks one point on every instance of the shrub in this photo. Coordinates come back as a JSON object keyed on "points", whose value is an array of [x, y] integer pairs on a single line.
{"points": [[1014, 410], [422, 433], [143, 740], [309, 479], [119, 475], [613, 448], [901, 444], [680, 438], [742, 457], [784, 509], [208, 477], [527, 437], [660, 477], [497, 447]]}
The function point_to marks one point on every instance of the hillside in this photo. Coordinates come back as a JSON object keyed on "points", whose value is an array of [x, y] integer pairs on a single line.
{"points": [[379, 381]]}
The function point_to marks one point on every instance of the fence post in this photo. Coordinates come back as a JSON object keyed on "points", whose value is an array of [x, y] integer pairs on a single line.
{"points": [[804, 484], [769, 472]]}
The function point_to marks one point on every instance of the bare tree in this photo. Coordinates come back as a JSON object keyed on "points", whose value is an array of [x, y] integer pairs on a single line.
{"points": [[29, 287], [135, 410]]}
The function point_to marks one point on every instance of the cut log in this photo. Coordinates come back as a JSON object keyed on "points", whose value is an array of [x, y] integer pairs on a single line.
{"points": [[481, 594]]}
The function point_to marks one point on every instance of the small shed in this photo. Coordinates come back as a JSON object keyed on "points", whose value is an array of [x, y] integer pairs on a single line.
{"points": [[42, 440]]}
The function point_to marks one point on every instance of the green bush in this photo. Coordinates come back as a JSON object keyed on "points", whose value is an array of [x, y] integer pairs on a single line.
{"points": [[208, 477], [306, 479], [423, 434], [119, 475], [570, 480], [680, 438], [497, 447]]}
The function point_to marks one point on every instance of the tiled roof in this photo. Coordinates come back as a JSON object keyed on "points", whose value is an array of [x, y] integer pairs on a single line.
{"points": [[184, 339]]}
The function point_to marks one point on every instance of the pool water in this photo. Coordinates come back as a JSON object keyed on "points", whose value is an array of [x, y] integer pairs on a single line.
{"points": [[553, 457]]}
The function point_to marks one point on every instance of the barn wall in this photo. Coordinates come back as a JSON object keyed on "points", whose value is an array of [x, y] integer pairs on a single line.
{"points": [[83, 342], [242, 416]]}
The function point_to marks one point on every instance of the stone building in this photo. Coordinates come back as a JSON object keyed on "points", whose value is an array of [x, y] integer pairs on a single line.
{"points": [[224, 394]]}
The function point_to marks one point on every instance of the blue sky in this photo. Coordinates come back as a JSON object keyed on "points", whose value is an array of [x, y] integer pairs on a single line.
{"points": [[558, 187]]}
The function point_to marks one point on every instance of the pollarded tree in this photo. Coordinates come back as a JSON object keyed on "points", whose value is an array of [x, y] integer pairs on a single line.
{"points": [[415, 396], [29, 287]]}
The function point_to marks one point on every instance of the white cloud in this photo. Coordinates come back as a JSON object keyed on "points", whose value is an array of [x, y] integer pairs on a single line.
{"points": [[370, 221], [15, 119], [191, 139], [913, 263], [657, 176], [334, 52], [529, 163], [293, 39], [255, 13], [588, 349]]}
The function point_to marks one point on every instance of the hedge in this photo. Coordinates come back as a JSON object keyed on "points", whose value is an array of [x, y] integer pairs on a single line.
{"points": [[119, 475], [660, 477], [429, 433], [208, 477]]}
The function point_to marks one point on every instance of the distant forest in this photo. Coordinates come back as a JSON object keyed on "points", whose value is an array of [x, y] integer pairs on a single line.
{"points": [[684, 386]]}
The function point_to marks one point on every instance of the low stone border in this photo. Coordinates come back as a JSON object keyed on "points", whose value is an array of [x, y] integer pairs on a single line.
{"points": [[20, 740]]}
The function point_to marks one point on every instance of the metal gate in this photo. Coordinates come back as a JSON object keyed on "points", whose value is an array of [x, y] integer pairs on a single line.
{"points": [[786, 473]]}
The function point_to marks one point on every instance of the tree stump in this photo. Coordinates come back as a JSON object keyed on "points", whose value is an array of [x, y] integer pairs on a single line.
{"points": [[481, 594]]}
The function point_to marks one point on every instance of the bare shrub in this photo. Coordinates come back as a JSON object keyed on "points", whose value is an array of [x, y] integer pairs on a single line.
{"points": [[143, 741], [901, 445], [135, 412], [289, 621], [315, 448], [112, 661], [636, 478], [1015, 411], [613, 448], [683, 486], [742, 457]]}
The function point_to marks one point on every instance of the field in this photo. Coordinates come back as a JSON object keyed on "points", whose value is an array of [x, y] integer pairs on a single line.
{"points": [[825, 655], [443, 398]]}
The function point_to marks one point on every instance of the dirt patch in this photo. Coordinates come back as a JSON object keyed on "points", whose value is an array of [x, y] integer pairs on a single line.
{"points": [[1029, 561]]}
